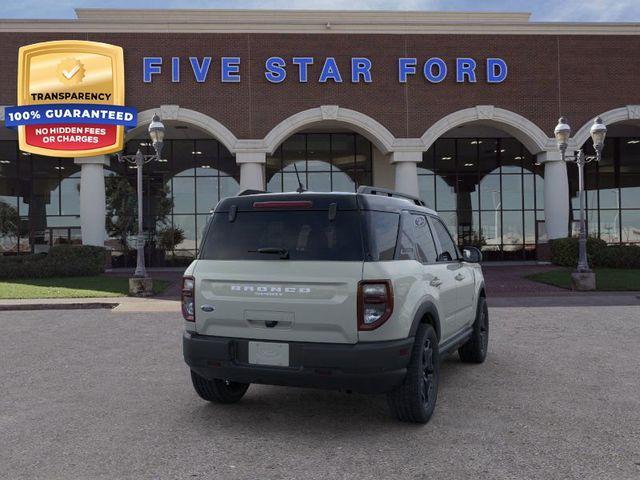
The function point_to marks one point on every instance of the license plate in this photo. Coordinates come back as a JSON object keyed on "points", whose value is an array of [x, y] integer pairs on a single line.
{"points": [[269, 353]]}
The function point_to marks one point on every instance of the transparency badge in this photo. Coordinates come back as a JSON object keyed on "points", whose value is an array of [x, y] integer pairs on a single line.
{"points": [[70, 99]]}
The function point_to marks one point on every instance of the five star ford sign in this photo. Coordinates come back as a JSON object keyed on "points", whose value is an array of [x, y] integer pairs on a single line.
{"points": [[70, 99]]}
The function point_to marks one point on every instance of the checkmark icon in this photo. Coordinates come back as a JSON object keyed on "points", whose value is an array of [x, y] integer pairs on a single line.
{"points": [[71, 73]]}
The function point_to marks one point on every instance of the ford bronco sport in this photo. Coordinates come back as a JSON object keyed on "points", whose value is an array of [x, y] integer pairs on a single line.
{"points": [[361, 292]]}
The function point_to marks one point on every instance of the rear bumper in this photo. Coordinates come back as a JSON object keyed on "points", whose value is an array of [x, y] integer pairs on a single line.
{"points": [[374, 367]]}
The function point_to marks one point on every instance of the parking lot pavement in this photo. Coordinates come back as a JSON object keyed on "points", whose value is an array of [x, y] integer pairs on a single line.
{"points": [[102, 394]]}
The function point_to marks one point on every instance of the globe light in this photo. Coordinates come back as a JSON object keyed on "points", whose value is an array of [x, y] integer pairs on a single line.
{"points": [[598, 132], [562, 133], [156, 133]]}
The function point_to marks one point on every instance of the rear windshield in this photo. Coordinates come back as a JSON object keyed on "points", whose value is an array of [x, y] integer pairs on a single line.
{"points": [[303, 235]]}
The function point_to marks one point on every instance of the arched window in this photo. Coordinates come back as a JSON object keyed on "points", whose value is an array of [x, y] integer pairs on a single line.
{"points": [[325, 162]]}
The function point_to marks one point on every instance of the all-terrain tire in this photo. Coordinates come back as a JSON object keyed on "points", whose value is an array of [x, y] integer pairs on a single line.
{"points": [[415, 400], [218, 391], [475, 349]]}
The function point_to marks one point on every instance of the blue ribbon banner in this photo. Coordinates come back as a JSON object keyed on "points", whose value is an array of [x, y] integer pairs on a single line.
{"points": [[70, 113]]}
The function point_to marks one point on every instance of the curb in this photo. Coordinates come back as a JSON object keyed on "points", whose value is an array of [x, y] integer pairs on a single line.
{"points": [[57, 306]]}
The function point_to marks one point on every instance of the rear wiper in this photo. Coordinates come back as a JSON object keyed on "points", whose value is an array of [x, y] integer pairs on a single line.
{"points": [[283, 252]]}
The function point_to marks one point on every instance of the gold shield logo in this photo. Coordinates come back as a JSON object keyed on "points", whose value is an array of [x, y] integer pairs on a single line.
{"points": [[78, 74]]}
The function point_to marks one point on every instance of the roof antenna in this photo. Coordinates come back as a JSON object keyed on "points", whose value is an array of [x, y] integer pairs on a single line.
{"points": [[300, 188]]}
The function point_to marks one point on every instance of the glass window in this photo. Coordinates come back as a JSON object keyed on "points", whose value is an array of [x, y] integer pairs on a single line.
{"points": [[406, 240], [303, 235], [609, 226], [445, 156], [182, 163], [426, 166], [630, 190], [425, 246], [511, 155], [490, 194], [467, 155], [207, 194], [512, 192], [382, 233], [629, 155], [187, 223], [8, 159], [426, 185], [487, 155], [325, 162], [319, 152], [70, 196], [467, 192], [468, 227], [449, 251], [631, 226], [445, 193], [512, 228], [183, 195]]}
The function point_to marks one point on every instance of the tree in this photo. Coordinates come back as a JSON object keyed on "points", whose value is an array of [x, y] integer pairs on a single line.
{"points": [[9, 221], [122, 208]]}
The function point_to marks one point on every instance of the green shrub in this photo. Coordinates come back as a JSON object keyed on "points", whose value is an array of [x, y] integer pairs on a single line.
{"points": [[618, 256], [564, 252], [61, 261]]}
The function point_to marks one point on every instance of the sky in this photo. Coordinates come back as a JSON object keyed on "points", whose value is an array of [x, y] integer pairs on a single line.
{"points": [[542, 10]]}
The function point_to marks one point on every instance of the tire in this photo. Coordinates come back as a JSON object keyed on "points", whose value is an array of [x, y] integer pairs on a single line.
{"points": [[475, 350], [415, 400], [217, 390]]}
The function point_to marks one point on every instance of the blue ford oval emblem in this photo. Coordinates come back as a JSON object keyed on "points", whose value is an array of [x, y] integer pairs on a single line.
{"points": [[207, 308]]}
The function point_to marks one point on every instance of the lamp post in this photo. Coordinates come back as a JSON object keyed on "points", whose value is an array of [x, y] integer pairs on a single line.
{"points": [[562, 133], [156, 133]]}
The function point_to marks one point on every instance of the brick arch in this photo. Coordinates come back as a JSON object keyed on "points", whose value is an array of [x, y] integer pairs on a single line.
{"points": [[192, 117], [622, 114], [527, 132], [374, 131]]}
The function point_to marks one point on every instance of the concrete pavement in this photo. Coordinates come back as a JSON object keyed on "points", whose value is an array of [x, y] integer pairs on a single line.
{"points": [[104, 394]]}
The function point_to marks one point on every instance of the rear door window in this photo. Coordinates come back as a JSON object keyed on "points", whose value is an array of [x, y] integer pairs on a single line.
{"points": [[449, 251], [304, 235], [425, 246], [416, 241]]}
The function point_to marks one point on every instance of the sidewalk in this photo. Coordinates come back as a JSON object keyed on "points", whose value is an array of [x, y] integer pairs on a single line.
{"points": [[117, 304], [506, 287]]}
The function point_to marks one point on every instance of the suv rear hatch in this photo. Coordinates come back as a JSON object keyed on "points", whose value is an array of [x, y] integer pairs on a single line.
{"points": [[281, 267]]}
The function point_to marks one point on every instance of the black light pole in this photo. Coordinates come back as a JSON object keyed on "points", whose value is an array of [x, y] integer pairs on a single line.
{"points": [[156, 133]]}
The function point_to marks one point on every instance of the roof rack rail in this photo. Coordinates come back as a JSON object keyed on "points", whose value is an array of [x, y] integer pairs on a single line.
{"points": [[249, 191], [390, 193]]}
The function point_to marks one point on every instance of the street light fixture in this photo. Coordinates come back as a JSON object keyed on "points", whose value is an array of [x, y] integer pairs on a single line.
{"points": [[562, 133], [156, 133]]}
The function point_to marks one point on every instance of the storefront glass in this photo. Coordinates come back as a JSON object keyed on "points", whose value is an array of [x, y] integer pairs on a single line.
{"points": [[488, 190], [325, 162], [612, 192]]}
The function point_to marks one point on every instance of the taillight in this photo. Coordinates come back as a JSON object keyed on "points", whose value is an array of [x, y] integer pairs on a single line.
{"points": [[188, 294], [375, 303]]}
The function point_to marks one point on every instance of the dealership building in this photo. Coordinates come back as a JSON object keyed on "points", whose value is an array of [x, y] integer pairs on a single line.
{"points": [[457, 108]]}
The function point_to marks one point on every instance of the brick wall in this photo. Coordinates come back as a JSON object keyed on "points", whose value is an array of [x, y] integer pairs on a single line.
{"points": [[578, 76]]}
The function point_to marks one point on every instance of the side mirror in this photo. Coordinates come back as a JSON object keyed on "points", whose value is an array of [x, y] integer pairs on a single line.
{"points": [[471, 254]]}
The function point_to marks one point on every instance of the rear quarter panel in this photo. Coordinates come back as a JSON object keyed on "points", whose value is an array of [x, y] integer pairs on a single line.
{"points": [[410, 290]]}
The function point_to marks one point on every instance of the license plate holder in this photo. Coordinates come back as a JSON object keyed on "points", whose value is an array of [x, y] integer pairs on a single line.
{"points": [[274, 354]]}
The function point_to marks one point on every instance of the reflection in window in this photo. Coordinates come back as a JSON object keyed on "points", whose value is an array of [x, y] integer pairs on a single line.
{"points": [[488, 190], [325, 162], [612, 191]]}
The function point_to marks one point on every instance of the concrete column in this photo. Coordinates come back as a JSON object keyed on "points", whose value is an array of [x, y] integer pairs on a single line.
{"points": [[556, 194], [93, 209], [406, 166], [251, 170]]}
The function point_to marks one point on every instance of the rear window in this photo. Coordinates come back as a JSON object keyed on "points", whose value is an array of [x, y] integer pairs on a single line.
{"points": [[304, 235]]}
